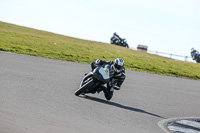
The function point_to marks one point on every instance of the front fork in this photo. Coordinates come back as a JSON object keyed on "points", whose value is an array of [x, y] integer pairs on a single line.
{"points": [[111, 85]]}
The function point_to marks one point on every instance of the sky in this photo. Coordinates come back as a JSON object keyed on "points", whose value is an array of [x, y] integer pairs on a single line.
{"points": [[168, 26]]}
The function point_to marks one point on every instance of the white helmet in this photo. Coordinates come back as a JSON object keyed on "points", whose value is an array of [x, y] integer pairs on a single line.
{"points": [[118, 65]]}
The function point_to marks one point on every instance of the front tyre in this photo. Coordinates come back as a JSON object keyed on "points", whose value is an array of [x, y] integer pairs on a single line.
{"points": [[126, 45], [84, 87], [108, 94]]}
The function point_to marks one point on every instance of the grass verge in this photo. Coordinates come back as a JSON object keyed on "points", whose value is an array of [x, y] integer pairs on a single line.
{"points": [[29, 41]]}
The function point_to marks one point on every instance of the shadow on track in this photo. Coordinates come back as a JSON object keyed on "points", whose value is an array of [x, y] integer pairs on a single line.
{"points": [[120, 106]]}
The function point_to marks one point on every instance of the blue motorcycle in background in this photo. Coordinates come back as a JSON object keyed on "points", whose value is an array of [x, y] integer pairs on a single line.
{"points": [[195, 55]]}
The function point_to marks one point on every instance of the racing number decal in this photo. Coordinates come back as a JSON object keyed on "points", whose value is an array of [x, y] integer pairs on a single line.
{"points": [[106, 71]]}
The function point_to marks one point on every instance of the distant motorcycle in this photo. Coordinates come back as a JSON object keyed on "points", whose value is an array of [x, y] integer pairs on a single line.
{"points": [[115, 39], [93, 81], [195, 55]]}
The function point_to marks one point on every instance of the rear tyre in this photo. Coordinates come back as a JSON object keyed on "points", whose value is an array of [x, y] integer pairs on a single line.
{"points": [[84, 87]]}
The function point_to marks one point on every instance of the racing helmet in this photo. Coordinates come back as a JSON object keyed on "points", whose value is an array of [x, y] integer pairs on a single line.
{"points": [[192, 49], [118, 65]]}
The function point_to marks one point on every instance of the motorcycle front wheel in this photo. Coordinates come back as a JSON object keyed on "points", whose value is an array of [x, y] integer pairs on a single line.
{"points": [[86, 86]]}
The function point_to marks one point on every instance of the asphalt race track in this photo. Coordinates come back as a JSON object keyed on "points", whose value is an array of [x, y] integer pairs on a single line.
{"points": [[37, 96]]}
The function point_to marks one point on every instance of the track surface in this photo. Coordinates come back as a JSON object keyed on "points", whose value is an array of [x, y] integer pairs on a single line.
{"points": [[37, 96]]}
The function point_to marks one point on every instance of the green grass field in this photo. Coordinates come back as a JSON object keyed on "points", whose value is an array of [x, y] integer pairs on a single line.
{"points": [[29, 41]]}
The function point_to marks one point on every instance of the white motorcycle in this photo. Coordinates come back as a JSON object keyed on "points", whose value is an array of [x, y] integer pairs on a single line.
{"points": [[93, 81]]}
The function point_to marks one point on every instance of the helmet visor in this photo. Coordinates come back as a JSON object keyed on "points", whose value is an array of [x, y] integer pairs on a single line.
{"points": [[118, 67]]}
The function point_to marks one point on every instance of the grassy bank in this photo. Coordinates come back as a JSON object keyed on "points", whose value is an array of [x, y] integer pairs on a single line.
{"points": [[29, 41]]}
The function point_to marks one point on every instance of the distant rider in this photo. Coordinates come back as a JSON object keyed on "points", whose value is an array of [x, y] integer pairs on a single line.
{"points": [[119, 75], [195, 55], [117, 36]]}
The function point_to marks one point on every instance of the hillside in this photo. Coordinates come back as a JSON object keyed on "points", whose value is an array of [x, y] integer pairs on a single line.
{"points": [[34, 42]]}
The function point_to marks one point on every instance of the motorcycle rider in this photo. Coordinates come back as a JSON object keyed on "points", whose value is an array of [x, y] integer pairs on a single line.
{"points": [[117, 40], [195, 55], [115, 34], [119, 75]]}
